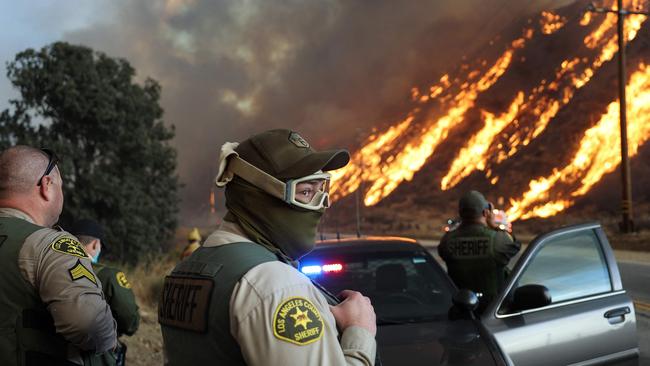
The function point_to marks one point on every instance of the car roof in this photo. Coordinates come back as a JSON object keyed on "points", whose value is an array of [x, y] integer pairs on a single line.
{"points": [[369, 243]]}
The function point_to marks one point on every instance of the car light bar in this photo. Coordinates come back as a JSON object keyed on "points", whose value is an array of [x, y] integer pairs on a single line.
{"points": [[317, 269], [311, 270], [334, 267]]}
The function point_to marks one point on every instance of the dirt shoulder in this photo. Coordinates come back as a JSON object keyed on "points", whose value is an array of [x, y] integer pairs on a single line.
{"points": [[145, 347]]}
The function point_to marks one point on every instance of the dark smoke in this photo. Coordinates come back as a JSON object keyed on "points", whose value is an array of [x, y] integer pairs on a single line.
{"points": [[329, 69]]}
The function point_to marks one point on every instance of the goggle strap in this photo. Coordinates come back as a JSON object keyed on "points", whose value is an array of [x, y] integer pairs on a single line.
{"points": [[257, 177]]}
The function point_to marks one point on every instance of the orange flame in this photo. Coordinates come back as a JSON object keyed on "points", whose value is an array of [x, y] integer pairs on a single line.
{"points": [[598, 154], [212, 209], [473, 155], [540, 104], [384, 167], [546, 107], [418, 150], [551, 23], [365, 161], [586, 19], [370, 163]]}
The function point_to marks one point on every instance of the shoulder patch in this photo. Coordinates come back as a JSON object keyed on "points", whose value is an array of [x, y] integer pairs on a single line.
{"points": [[79, 271], [70, 246], [121, 280], [297, 321]]}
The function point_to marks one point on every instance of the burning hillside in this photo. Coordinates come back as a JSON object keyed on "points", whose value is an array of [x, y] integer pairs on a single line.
{"points": [[532, 120]]}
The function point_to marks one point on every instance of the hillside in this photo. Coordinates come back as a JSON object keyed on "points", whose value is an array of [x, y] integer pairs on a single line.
{"points": [[531, 120]]}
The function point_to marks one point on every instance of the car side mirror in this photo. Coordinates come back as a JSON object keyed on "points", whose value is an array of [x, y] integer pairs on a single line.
{"points": [[530, 297], [465, 299]]}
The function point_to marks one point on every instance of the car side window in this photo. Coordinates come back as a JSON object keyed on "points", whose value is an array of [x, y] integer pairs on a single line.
{"points": [[571, 266]]}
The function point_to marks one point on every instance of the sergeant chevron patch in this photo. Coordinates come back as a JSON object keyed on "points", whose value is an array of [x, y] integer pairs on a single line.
{"points": [[79, 271]]}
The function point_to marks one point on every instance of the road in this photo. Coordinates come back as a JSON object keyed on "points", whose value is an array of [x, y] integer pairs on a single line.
{"points": [[635, 276]]}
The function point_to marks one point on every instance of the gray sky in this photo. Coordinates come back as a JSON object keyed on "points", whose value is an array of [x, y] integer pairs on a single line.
{"points": [[231, 68]]}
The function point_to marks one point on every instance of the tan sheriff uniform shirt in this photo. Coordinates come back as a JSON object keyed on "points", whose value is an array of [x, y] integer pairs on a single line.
{"points": [[279, 317], [52, 263]]}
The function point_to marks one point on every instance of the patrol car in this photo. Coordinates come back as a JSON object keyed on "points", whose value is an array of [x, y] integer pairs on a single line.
{"points": [[564, 303]]}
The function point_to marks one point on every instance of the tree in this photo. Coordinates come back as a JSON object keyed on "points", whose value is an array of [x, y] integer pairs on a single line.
{"points": [[116, 161]]}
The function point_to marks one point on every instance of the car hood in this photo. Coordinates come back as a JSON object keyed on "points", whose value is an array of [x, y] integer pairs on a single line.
{"points": [[451, 343]]}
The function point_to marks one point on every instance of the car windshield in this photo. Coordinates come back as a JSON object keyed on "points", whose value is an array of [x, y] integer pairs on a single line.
{"points": [[404, 286]]}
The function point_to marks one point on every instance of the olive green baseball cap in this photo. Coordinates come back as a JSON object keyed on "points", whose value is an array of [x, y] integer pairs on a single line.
{"points": [[472, 204], [284, 154]]}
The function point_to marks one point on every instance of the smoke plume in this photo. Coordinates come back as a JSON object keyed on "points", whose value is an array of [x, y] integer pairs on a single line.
{"points": [[332, 70]]}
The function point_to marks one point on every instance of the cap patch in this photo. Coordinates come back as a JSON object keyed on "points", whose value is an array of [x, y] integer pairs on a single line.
{"points": [[70, 246], [121, 280], [297, 140], [297, 321], [79, 271]]}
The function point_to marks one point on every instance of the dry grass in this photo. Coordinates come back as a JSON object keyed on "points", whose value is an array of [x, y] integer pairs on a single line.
{"points": [[145, 348]]}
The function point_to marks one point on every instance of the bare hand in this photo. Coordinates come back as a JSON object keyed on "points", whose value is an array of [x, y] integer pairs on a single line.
{"points": [[355, 309]]}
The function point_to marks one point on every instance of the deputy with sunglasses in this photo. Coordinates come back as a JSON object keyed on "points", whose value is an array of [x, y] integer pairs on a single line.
{"points": [[52, 310], [478, 251], [239, 299]]}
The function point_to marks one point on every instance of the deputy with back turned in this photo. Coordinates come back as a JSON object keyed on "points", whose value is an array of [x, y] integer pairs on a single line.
{"points": [[52, 310], [239, 299], [116, 287], [478, 251]]}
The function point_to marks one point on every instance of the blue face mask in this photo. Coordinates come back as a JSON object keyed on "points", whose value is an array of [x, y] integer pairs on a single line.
{"points": [[95, 259]]}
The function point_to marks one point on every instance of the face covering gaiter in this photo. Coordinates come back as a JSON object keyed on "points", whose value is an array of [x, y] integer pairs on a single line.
{"points": [[270, 221]]}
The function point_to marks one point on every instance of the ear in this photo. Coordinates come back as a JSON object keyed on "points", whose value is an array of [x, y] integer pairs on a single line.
{"points": [[45, 189], [95, 244], [486, 213]]}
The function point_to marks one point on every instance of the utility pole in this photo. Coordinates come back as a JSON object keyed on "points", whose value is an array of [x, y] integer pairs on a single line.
{"points": [[627, 225], [357, 193]]}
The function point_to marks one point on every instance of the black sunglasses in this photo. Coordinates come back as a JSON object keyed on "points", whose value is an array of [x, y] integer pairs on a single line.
{"points": [[53, 159]]}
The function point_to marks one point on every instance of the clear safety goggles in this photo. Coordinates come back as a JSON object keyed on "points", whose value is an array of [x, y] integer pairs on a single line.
{"points": [[310, 192]]}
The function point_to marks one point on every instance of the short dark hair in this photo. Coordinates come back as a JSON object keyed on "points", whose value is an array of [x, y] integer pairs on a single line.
{"points": [[86, 239]]}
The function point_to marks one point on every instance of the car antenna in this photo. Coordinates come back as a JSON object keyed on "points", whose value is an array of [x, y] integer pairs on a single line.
{"points": [[338, 234], [320, 228]]}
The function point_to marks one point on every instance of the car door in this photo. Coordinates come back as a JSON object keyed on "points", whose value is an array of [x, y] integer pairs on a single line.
{"points": [[581, 315]]}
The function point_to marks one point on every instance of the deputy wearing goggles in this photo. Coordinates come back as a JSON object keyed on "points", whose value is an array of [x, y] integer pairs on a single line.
{"points": [[249, 305], [310, 192]]}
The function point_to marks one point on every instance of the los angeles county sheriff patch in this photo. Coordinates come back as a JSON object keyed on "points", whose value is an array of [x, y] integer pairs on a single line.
{"points": [[70, 246], [121, 280], [297, 321]]}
